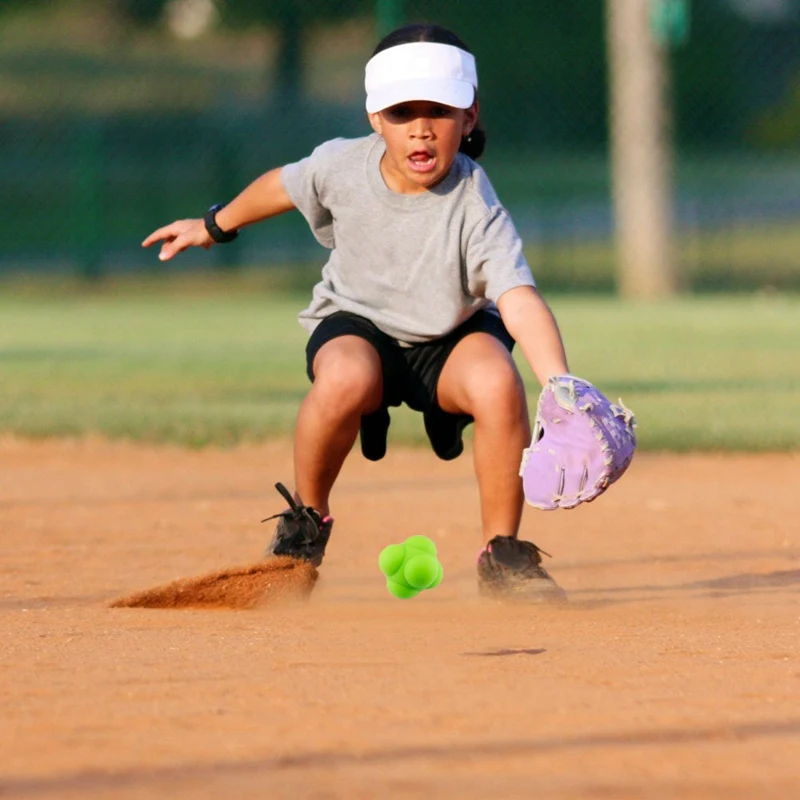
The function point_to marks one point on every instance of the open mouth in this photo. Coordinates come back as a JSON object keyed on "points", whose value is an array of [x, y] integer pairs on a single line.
{"points": [[422, 161]]}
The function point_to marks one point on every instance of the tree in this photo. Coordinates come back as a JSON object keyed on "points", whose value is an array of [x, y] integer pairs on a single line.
{"points": [[541, 66], [142, 12], [291, 18]]}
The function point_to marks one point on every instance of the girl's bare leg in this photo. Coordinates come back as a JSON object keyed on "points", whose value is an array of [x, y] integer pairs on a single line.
{"points": [[348, 382], [481, 379]]}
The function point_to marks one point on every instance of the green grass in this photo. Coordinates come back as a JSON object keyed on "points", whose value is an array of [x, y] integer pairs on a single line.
{"points": [[744, 258], [703, 373], [700, 373]]}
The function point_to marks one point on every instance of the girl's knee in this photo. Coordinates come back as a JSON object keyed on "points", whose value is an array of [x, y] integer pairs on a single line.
{"points": [[497, 388], [350, 382]]}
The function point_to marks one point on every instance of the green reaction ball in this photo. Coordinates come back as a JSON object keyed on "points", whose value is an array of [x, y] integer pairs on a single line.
{"points": [[421, 543], [410, 567], [391, 558], [401, 591], [438, 579], [421, 571]]}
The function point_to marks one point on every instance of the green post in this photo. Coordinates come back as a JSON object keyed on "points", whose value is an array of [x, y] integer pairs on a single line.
{"points": [[390, 14], [89, 197], [670, 21], [228, 256]]}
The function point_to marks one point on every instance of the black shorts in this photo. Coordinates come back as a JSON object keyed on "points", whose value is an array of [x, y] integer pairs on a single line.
{"points": [[410, 376]]}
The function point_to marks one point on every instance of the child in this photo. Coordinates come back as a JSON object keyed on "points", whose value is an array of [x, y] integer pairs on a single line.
{"points": [[423, 296]]}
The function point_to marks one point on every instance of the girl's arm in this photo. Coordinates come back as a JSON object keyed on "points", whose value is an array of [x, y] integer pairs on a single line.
{"points": [[531, 323], [264, 197]]}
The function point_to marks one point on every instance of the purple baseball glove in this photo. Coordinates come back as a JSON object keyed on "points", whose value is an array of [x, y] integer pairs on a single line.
{"points": [[581, 444]]}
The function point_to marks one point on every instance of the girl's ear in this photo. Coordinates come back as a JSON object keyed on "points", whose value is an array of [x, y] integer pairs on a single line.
{"points": [[470, 118], [376, 122]]}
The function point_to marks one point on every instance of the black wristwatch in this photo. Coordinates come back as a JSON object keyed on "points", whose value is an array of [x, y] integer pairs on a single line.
{"points": [[214, 231]]}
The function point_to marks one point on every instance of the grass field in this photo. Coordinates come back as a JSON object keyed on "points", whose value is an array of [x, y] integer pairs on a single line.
{"points": [[730, 259], [700, 373]]}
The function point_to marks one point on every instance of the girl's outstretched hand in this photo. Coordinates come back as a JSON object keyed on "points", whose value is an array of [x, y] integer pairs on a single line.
{"points": [[179, 236]]}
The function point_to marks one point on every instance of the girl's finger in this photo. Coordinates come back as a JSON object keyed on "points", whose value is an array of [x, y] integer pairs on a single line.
{"points": [[174, 246], [162, 233], [168, 251]]}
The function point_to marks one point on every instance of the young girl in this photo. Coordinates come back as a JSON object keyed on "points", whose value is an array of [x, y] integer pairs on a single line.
{"points": [[421, 301]]}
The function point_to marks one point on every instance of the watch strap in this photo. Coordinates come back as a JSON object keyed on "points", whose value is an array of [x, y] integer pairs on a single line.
{"points": [[214, 231]]}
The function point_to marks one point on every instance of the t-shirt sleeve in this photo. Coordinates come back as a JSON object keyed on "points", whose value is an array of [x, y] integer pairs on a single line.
{"points": [[494, 259], [305, 182]]}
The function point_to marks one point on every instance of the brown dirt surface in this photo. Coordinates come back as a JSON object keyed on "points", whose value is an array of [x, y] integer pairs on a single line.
{"points": [[673, 670]]}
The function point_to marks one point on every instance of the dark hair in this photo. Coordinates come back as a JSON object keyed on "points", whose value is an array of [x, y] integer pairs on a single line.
{"points": [[474, 144]]}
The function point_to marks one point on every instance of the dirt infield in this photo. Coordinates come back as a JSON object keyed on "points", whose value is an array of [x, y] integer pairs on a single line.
{"points": [[674, 670]]}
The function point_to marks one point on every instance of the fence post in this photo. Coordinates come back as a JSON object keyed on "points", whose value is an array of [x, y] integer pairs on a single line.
{"points": [[89, 213], [641, 152], [227, 256]]}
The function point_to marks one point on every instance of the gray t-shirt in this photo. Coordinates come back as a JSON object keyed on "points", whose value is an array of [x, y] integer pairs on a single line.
{"points": [[418, 265]]}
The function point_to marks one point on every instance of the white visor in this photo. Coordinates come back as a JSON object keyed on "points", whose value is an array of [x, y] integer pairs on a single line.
{"points": [[439, 73]]}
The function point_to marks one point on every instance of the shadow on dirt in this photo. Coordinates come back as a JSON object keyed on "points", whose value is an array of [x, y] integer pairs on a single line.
{"points": [[786, 577], [96, 783], [681, 558], [534, 651], [744, 583]]}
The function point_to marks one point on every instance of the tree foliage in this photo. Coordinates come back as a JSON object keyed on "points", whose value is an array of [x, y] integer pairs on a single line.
{"points": [[141, 12], [291, 18], [541, 65], [247, 13]]}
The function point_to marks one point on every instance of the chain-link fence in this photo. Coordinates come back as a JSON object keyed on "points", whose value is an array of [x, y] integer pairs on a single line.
{"points": [[116, 117]]}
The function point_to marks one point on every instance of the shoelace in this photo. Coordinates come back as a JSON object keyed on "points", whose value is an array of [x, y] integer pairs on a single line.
{"points": [[296, 510], [538, 549]]}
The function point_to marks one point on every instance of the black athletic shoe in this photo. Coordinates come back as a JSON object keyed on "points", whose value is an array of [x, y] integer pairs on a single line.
{"points": [[511, 569], [301, 531]]}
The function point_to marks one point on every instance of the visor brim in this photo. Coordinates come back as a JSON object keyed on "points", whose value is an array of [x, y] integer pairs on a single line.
{"points": [[447, 91]]}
